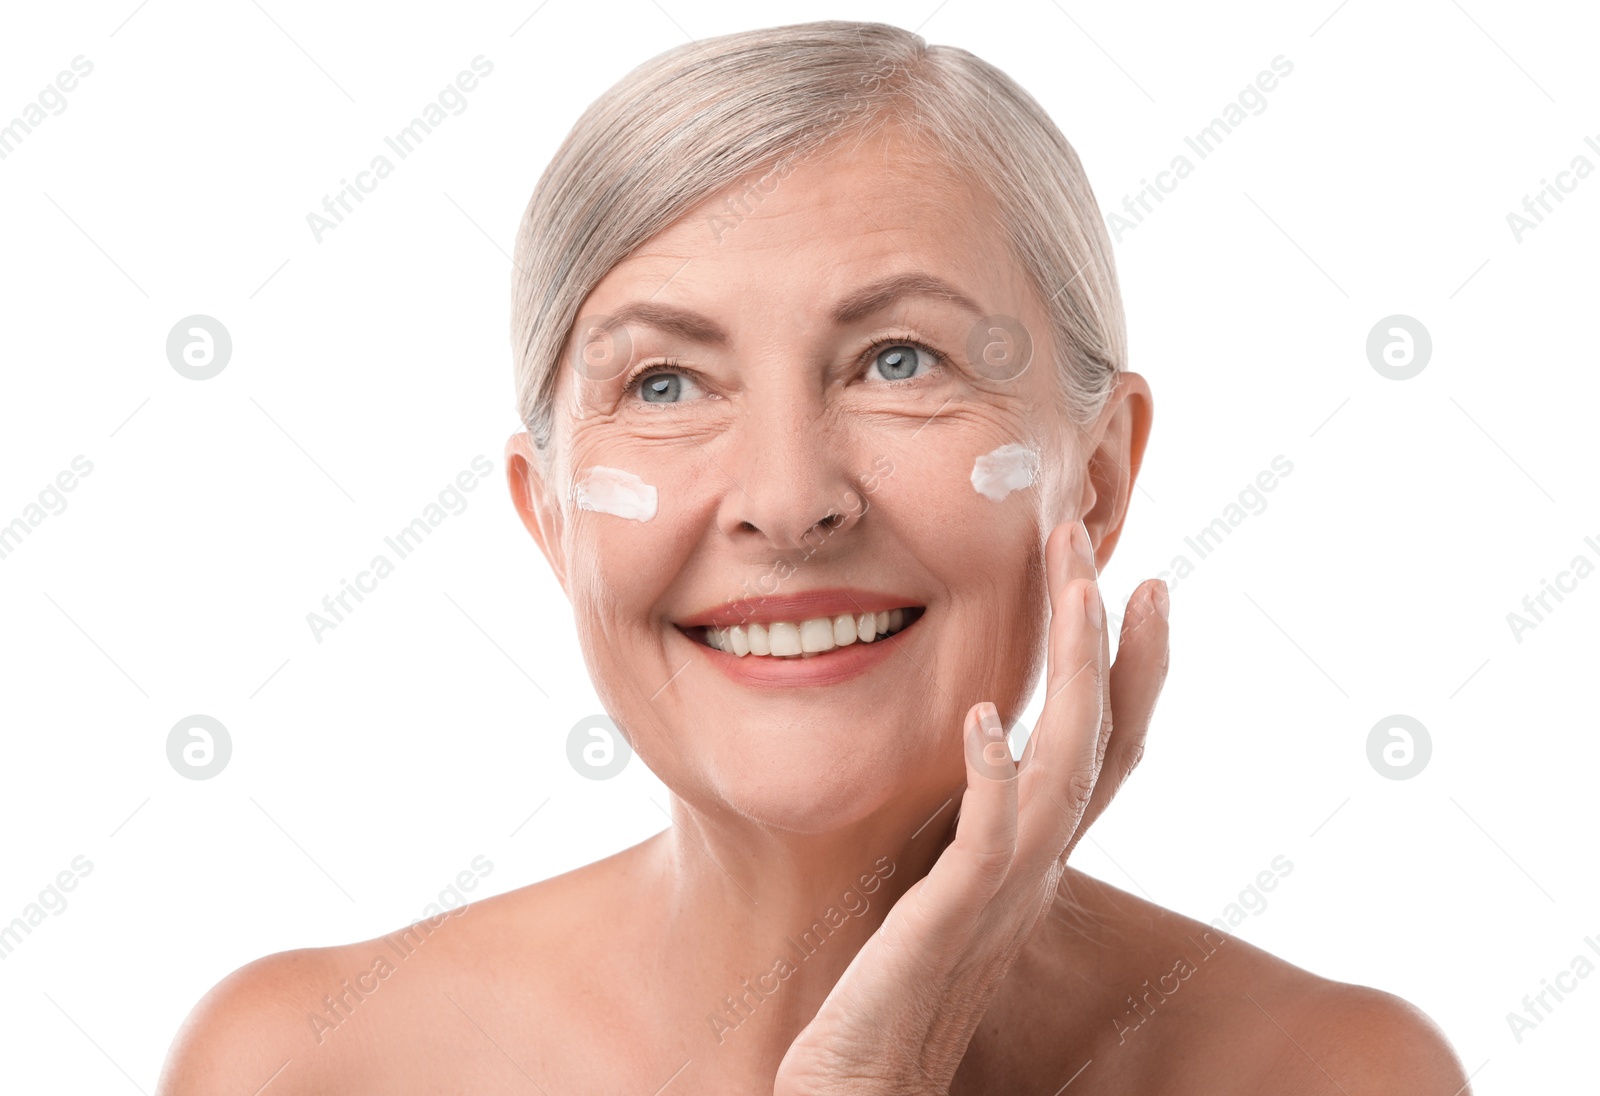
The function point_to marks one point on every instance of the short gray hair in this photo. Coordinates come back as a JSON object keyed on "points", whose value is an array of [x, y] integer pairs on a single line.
{"points": [[702, 116]]}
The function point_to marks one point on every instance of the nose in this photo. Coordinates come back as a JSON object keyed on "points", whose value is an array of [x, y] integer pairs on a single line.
{"points": [[795, 484]]}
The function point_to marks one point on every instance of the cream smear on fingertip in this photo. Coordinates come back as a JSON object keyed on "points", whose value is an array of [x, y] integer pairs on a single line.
{"points": [[614, 491], [1008, 468]]}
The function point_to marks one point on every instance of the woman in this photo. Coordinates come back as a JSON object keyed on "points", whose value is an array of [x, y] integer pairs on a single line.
{"points": [[823, 366]]}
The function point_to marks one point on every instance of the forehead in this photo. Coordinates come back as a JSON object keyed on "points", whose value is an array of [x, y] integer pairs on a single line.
{"points": [[843, 216]]}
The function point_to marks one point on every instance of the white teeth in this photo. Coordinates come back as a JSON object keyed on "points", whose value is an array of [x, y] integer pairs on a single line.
{"points": [[816, 635], [787, 639], [844, 630], [784, 638]]}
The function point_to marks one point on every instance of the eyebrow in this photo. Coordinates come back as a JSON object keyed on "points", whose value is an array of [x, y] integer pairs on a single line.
{"points": [[871, 298], [858, 304]]}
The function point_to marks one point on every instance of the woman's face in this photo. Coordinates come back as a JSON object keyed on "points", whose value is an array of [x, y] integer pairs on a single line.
{"points": [[781, 355]]}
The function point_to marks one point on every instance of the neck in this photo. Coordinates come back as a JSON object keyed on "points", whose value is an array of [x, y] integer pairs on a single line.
{"points": [[757, 925]]}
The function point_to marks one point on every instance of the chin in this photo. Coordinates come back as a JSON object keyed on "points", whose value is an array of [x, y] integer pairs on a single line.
{"points": [[810, 783]]}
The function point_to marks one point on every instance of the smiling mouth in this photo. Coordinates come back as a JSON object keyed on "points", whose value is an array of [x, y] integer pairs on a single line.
{"points": [[802, 639]]}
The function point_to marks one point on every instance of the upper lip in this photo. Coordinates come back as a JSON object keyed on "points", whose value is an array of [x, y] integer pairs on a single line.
{"points": [[806, 605]]}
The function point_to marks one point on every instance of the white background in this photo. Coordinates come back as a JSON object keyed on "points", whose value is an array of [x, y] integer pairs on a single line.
{"points": [[370, 368]]}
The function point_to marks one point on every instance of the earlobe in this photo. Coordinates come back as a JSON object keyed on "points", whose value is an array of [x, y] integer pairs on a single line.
{"points": [[535, 502]]}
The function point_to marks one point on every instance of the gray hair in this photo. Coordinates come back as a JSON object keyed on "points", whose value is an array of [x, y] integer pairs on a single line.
{"points": [[705, 115]]}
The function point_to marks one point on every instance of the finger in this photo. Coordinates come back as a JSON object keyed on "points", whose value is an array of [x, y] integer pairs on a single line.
{"points": [[1064, 562], [970, 871], [1136, 681], [1060, 769], [1107, 712]]}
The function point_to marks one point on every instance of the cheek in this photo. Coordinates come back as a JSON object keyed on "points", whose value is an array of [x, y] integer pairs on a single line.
{"points": [[631, 517], [973, 507], [602, 489], [1005, 469], [613, 558], [963, 484]]}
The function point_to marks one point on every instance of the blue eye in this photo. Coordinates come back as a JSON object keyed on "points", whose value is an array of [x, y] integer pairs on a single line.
{"points": [[899, 360], [661, 386]]}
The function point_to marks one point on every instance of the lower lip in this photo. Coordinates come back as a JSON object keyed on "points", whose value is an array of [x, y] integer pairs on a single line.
{"points": [[828, 668]]}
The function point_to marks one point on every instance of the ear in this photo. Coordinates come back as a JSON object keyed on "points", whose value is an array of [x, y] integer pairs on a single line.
{"points": [[536, 501], [1120, 436]]}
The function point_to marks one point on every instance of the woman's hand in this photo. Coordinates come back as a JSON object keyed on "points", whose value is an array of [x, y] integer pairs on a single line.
{"points": [[900, 1018]]}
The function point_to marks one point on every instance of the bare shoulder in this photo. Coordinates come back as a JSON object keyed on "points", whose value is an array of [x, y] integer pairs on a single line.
{"points": [[247, 1029], [392, 1013], [354, 1018], [1179, 1006], [1367, 1039]]}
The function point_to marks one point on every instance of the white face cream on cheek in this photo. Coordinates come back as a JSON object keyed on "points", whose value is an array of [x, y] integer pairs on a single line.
{"points": [[614, 491], [1008, 468]]}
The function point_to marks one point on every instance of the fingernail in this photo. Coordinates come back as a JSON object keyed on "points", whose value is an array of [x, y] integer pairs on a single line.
{"points": [[1163, 606], [1080, 541], [1091, 605], [989, 717]]}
